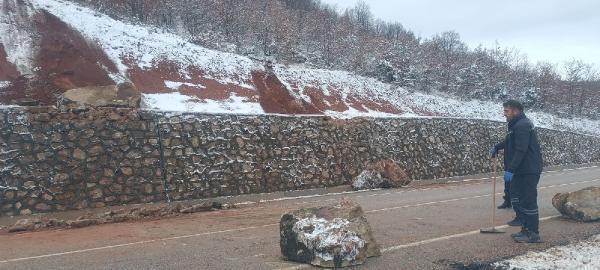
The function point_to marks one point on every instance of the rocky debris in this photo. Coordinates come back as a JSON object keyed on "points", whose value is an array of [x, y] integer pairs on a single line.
{"points": [[116, 216], [331, 236], [383, 174], [207, 206], [28, 224], [27, 102], [582, 205], [80, 223], [122, 95]]}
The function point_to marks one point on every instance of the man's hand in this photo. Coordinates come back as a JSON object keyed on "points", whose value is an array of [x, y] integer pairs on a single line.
{"points": [[493, 151], [508, 176]]}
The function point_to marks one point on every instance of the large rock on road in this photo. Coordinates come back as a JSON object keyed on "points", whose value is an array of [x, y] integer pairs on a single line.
{"points": [[332, 236]]}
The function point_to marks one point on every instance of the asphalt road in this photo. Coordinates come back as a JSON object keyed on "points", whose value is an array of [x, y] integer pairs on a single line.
{"points": [[430, 227]]}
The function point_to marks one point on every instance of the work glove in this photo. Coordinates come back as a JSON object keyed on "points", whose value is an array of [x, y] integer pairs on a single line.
{"points": [[493, 152], [508, 176]]}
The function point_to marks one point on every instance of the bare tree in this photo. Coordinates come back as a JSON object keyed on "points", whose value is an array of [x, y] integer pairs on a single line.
{"points": [[574, 70]]}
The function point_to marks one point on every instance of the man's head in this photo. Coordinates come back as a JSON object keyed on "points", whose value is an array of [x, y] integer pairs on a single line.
{"points": [[512, 109]]}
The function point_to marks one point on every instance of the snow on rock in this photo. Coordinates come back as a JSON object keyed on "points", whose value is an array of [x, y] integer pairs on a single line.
{"points": [[367, 180], [325, 236], [147, 46], [178, 102], [381, 174], [583, 255]]}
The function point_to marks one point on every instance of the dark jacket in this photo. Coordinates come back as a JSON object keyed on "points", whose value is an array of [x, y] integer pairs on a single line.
{"points": [[522, 154]]}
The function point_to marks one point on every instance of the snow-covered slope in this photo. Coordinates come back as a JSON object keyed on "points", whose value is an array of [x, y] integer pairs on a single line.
{"points": [[176, 75], [335, 84], [146, 47]]}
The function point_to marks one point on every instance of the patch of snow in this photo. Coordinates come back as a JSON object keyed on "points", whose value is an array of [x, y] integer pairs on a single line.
{"points": [[323, 79], [353, 113], [177, 102], [175, 85], [148, 46], [17, 35], [324, 236], [4, 84], [583, 255], [9, 188]]}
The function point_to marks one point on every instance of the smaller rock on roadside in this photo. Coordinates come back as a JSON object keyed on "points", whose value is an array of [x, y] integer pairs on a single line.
{"points": [[582, 205], [382, 174], [28, 224]]}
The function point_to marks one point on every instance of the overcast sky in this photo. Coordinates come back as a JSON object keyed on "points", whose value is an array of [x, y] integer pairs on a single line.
{"points": [[552, 30]]}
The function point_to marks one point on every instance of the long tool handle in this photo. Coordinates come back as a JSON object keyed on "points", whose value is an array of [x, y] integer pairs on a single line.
{"points": [[494, 176]]}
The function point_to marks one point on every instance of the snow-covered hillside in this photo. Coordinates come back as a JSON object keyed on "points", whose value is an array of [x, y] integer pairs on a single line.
{"points": [[410, 104], [176, 75], [147, 46]]}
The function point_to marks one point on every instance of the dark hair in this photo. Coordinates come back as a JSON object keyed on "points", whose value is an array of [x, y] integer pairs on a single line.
{"points": [[513, 104]]}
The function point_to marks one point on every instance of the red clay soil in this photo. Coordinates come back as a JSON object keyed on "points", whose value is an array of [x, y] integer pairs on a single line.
{"points": [[8, 71], [335, 102], [379, 105], [216, 90], [275, 97], [65, 60], [152, 80], [332, 102]]}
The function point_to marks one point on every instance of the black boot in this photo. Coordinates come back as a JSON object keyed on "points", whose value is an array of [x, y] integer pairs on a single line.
{"points": [[531, 237], [523, 233], [515, 223], [505, 205]]}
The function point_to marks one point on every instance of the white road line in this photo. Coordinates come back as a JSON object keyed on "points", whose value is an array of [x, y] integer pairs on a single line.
{"points": [[555, 172], [252, 227], [136, 243], [447, 237], [570, 184], [470, 197]]}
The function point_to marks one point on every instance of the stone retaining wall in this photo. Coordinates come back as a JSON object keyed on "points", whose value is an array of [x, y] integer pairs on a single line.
{"points": [[53, 161]]}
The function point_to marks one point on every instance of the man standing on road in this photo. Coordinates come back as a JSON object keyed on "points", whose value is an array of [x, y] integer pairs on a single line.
{"points": [[522, 170]]}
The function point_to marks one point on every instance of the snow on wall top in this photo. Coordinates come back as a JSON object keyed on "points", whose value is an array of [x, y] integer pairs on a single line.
{"points": [[178, 102]]}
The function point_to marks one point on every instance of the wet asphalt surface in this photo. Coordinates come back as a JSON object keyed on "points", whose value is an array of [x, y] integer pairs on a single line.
{"points": [[427, 227]]}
